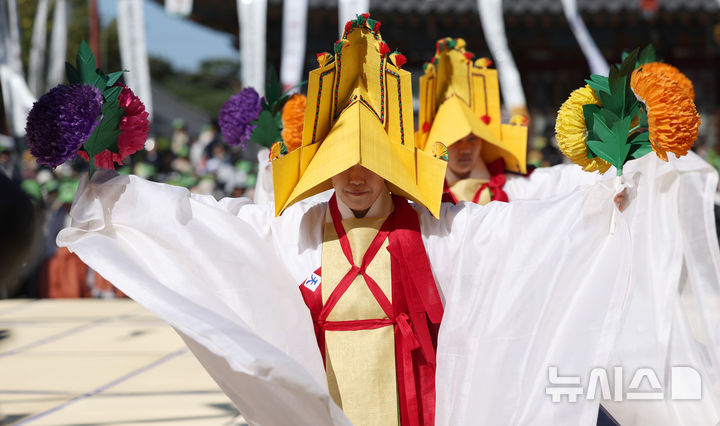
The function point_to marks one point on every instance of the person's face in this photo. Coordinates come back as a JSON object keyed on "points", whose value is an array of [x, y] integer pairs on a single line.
{"points": [[358, 188], [463, 154]]}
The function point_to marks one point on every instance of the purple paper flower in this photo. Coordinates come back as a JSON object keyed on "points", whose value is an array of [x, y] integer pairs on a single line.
{"points": [[237, 114], [61, 121]]}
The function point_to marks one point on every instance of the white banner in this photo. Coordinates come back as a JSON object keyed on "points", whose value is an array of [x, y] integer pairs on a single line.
{"points": [[292, 59], [17, 99], [12, 38], [252, 17], [36, 67], [347, 9], [595, 59], [4, 35], [178, 7], [58, 45], [133, 50], [491, 17]]}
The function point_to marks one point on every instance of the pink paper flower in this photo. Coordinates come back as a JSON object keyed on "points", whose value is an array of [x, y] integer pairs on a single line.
{"points": [[134, 126]]}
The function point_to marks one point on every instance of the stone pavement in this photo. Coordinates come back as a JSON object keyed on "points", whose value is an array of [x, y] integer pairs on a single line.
{"points": [[100, 362]]}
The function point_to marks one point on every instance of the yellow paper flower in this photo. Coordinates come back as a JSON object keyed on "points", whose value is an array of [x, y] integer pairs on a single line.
{"points": [[293, 118], [672, 73], [673, 120], [572, 133]]}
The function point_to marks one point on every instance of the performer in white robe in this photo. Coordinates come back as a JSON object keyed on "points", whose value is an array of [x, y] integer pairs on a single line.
{"points": [[517, 299], [460, 107]]}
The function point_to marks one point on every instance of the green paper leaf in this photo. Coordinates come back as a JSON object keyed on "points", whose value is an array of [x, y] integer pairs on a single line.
{"points": [[112, 93], [273, 88], [608, 116], [628, 64], [73, 75], [632, 106], [86, 64], [267, 131], [278, 120], [598, 83], [106, 133], [637, 151], [640, 138], [276, 108], [100, 80], [600, 149], [588, 111], [647, 55], [112, 78], [613, 146], [618, 92]]}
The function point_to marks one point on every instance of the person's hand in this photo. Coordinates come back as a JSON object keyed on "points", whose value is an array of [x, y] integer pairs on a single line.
{"points": [[619, 200]]}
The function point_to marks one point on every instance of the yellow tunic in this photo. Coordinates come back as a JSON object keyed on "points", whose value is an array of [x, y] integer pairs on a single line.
{"points": [[465, 190], [360, 364]]}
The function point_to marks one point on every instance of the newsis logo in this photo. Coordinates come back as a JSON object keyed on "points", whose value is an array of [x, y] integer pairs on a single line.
{"points": [[685, 384]]}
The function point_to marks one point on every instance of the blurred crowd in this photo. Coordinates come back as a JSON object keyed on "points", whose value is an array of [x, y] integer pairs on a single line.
{"points": [[39, 200]]}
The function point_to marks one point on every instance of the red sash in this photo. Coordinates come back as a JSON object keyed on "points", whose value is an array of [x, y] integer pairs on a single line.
{"points": [[415, 313]]}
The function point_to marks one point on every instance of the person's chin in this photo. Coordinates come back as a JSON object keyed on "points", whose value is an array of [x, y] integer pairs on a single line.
{"points": [[358, 200], [461, 170]]}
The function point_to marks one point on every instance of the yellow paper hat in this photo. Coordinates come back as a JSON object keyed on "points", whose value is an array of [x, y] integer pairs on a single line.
{"points": [[459, 96], [359, 111]]}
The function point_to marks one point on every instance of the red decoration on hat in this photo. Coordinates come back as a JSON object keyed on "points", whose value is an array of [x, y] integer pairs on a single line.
{"points": [[377, 26], [365, 15], [489, 61], [384, 48], [469, 56], [426, 127], [348, 25], [485, 119], [400, 60]]}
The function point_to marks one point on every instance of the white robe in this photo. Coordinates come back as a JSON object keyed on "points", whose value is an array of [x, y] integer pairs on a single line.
{"points": [[526, 286]]}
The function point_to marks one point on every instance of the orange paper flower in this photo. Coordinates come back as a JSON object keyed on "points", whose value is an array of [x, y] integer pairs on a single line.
{"points": [[672, 73], [673, 120], [293, 117]]}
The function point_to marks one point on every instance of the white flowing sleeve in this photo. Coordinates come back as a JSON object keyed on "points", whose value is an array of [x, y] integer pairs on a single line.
{"points": [[209, 270], [672, 322], [531, 286], [547, 182], [541, 284]]}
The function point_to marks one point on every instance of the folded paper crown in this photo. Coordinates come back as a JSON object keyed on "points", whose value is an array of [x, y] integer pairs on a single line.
{"points": [[459, 96], [359, 111]]}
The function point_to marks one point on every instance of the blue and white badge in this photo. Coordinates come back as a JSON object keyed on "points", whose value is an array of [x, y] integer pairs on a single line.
{"points": [[313, 282]]}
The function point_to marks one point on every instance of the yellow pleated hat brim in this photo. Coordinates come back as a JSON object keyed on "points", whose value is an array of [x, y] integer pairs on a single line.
{"points": [[358, 137], [454, 120]]}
